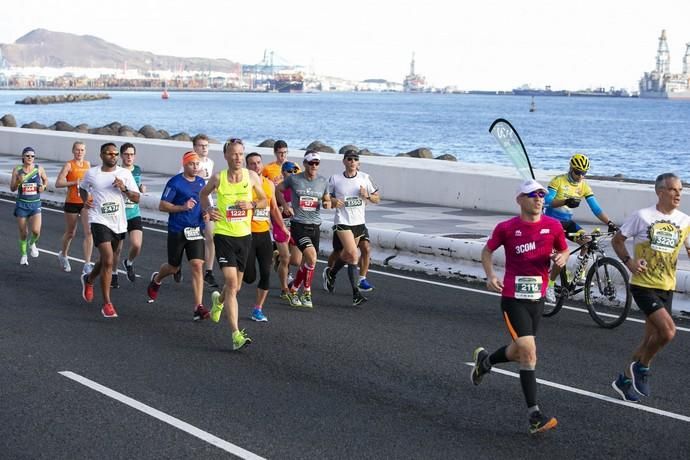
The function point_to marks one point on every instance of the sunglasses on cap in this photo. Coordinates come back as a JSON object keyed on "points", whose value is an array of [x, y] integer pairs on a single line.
{"points": [[233, 140], [313, 163], [535, 194]]}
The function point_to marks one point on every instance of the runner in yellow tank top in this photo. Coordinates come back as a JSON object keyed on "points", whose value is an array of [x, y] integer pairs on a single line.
{"points": [[232, 234], [70, 175]]}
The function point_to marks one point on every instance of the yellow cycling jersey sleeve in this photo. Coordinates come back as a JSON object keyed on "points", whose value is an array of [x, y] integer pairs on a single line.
{"points": [[566, 189]]}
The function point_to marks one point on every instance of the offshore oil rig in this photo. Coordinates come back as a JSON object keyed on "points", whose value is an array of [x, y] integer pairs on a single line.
{"points": [[660, 83], [414, 83]]}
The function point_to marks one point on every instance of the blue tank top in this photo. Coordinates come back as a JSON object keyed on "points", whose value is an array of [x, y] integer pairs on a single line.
{"points": [[29, 190]]}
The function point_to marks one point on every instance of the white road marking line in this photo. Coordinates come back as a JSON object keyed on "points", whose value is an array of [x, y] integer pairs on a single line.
{"points": [[163, 417], [479, 291], [119, 271], [591, 394], [393, 275]]}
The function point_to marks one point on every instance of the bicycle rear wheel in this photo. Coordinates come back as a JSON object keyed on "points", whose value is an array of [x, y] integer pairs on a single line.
{"points": [[607, 292], [562, 292]]}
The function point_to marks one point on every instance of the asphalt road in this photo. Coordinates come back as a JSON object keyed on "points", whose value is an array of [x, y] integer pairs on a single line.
{"points": [[387, 380]]}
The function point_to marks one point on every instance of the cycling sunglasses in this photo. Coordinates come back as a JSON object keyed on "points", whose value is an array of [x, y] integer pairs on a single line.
{"points": [[535, 194]]}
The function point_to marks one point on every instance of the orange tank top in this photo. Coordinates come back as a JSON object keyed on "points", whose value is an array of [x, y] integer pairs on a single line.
{"points": [[262, 217], [76, 172]]}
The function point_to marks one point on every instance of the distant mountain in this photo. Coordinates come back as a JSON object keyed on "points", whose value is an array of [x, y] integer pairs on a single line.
{"points": [[44, 48]]}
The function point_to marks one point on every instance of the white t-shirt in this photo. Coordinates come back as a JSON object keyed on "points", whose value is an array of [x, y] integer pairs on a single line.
{"points": [[347, 189], [108, 201], [657, 239]]}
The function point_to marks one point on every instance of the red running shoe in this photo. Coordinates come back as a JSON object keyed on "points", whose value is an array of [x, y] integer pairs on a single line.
{"points": [[109, 311], [153, 288], [200, 312], [86, 288]]}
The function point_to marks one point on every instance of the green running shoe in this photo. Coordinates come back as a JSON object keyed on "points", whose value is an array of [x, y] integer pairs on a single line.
{"points": [[306, 299], [240, 339], [293, 299], [216, 306]]}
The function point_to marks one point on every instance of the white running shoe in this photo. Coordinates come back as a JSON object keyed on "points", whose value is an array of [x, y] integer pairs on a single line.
{"points": [[34, 250], [551, 294], [64, 263], [24, 260], [87, 268]]}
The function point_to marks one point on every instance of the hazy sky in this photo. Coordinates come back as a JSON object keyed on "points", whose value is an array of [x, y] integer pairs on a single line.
{"points": [[482, 44]]}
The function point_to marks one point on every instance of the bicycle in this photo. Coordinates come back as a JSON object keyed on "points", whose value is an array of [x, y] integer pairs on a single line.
{"points": [[606, 286]]}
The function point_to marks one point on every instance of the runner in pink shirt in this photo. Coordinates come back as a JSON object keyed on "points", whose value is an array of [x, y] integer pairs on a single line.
{"points": [[531, 242]]}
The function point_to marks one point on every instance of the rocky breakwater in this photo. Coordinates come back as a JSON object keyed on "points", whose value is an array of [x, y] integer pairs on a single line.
{"points": [[62, 98], [147, 131], [319, 146]]}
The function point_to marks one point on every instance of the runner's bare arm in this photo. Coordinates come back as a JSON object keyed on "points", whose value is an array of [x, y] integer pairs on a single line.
{"points": [[61, 180], [14, 180], [261, 200], [210, 186], [44, 178], [326, 200], [635, 266], [492, 281]]}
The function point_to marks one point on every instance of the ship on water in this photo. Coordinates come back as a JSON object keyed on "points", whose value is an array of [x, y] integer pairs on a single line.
{"points": [[660, 83], [414, 82]]}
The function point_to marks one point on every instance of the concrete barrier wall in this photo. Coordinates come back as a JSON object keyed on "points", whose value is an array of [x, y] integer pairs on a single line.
{"points": [[424, 181]]}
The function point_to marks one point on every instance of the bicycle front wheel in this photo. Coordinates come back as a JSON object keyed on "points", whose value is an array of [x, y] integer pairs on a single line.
{"points": [[607, 292]]}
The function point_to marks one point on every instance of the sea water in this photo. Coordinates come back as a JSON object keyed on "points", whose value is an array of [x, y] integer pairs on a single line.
{"points": [[638, 138]]}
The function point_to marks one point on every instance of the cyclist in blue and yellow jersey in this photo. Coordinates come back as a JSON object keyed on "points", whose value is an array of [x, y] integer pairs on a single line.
{"points": [[565, 193]]}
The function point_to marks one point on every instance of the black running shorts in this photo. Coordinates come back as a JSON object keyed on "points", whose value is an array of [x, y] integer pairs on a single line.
{"points": [[650, 300], [522, 316]]}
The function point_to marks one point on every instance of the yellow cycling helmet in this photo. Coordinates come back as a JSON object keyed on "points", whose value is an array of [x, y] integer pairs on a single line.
{"points": [[579, 161]]}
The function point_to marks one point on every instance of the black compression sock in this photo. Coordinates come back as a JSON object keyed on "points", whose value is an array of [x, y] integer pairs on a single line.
{"points": [[499, 356], [528, 381]]}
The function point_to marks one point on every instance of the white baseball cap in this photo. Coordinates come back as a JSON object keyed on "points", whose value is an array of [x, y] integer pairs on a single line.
{"points": [[311, 156], [529, 186]]}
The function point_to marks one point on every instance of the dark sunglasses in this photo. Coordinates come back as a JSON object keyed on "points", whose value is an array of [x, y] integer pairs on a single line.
{"points": [[313, 163], [535, 194], [352, 159], [578, 172], [292, 171]]}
